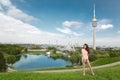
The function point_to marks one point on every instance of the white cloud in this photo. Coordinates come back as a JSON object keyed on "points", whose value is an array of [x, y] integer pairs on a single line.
{"points": [[5, 3], [119, 31], [108, 41], [64, 30], [77, 34], [18, 14], [14, 12], [13, 30], [68, 26], [72, 24], [104, 24], [1, 8], [104, 21], [107, 26], [68, 31]]}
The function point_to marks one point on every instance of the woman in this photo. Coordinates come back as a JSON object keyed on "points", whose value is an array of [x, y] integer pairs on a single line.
{"points": [[85, 58]]}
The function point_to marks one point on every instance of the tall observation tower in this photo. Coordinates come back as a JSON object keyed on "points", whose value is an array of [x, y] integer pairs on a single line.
{"points": [[94, 25]]}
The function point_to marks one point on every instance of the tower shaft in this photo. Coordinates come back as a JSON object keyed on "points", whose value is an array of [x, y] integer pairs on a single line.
{"points": [[94, 38], [94, 25]]}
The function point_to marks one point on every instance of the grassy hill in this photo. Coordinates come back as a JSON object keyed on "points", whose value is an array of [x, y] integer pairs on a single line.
{"points": [[110, 73]]}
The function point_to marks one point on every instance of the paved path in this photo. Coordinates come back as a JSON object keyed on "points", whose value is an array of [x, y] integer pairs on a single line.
{"points": [[69, 70]]}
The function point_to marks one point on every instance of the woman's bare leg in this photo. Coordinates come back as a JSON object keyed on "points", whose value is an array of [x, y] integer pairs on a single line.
{"points": [[88, 62], [83, 65]]}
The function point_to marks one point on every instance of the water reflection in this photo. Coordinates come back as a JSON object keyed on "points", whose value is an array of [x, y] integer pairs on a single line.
{"points": [[30, 61]]}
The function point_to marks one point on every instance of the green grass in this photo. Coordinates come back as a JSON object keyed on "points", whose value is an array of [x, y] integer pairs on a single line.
{"points": [[57, 68], [103, 61], [110, 73], [57, 55]]}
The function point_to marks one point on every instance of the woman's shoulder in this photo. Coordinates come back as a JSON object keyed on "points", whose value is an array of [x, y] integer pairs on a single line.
{"points": [[82, 49]]}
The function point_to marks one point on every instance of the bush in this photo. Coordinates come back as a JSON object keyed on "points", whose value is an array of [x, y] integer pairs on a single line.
{"points": [[3, 66], [100, 54], [103, 61], [114, 53], [92, 57]]}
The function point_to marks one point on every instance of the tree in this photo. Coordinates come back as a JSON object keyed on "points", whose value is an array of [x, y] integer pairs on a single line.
{"points": [[11, 49], [75, 57], [25, 49], [52, 49], [11, 59], [3, 66]]}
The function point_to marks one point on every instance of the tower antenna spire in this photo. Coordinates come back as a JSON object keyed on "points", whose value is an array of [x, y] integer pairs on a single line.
{"points": [[94, 11]]}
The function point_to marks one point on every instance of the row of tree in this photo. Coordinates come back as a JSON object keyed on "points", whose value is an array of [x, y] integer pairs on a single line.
{"points": [[11, 49], [52, 49], [7, 55]]}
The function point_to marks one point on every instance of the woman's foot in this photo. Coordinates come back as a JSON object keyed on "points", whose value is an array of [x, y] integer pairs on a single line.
{"points": [[93, 74], [83, 74]]}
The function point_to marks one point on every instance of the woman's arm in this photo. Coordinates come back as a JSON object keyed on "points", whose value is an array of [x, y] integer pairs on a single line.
{"points": [[82, 51]]}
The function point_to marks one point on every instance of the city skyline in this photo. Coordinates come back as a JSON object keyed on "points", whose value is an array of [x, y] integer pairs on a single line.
{"points": [[59, 21]]}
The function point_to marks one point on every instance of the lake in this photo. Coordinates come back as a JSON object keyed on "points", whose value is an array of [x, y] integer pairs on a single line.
{"points": [[30, 62]]}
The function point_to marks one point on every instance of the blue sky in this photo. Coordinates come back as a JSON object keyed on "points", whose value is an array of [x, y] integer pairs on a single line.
{"points": [[63, 21]]}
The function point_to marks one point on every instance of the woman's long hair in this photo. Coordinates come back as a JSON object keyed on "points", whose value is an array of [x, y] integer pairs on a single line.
{"points": [[87, 48]]}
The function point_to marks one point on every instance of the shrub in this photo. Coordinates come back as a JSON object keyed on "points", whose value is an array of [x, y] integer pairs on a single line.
{"points": [[3, 66], [114, 53], [100, 54], [92, 57]]}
